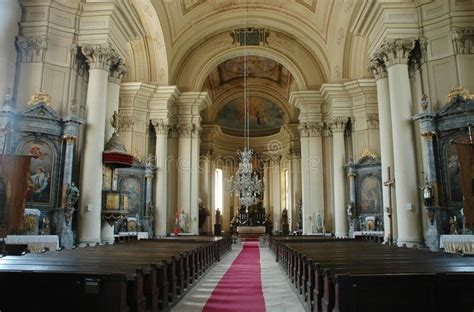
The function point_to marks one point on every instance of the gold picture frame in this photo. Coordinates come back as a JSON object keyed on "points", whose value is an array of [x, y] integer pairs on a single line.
{"points": [[112, 201]]}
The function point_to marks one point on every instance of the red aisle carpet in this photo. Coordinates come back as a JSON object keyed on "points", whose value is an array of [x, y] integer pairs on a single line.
{"points": [[240, 289]]}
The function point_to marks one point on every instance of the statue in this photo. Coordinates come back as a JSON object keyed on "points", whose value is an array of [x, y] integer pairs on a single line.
{"points": [[427, 194], [182, 221], [218, 216], [453, 225], [284, 216], [72, 195], [203, 213], [319, 223], [235, 220]]}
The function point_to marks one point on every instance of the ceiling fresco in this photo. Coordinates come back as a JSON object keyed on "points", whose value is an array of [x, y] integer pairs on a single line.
{"points": [[265, 117]]}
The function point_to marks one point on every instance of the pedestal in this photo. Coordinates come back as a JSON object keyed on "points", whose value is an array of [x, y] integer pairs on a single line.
{"points": [[217, 229], [285, 229]]}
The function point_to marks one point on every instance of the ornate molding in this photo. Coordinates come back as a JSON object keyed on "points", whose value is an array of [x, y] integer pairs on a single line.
{"points": [[99, 56], [366, 153], [337, 125], [397, 51], [161, 126], [32, 49], [373, 121], [117, 71], [311, 129], [462, 40], [377, 66], [125, 123]]}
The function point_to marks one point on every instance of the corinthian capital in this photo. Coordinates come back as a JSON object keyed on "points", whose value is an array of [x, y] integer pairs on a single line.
{"points": [[161, 126], [99, 56], [117, 71], [397, 51], [31, 49], [463, 40], [185, 130], [337, 124], [377, 66]]}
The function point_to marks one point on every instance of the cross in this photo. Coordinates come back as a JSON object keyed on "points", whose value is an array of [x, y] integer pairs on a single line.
{"points": [[389, 184]]}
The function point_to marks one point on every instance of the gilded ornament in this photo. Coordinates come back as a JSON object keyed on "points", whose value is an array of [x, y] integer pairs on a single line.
{"points": [[367, 154], [458, 92], [40, 97]]}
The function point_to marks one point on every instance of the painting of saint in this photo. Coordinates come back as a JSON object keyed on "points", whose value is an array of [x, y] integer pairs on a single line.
{"points": [[452, 166], [370, 194], [133, 187], [263, 115], [41, 167]]}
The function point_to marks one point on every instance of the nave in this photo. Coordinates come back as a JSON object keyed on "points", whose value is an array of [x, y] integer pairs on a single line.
{"points": [[278, 295]]}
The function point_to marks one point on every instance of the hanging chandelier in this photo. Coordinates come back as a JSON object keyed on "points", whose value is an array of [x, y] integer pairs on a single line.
{"points": [[246, 182]]}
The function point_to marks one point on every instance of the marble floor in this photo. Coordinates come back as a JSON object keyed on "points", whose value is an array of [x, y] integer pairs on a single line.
{"points": [[278, 292]]}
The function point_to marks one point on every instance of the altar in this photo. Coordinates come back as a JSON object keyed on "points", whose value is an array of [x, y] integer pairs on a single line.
{"points": [[251, 229], [36, 243], [457, 243]]}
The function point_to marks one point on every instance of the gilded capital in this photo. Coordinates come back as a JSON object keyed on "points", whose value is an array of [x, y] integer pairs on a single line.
{"points": [[99, 56], [397, 51], [69, 138]]}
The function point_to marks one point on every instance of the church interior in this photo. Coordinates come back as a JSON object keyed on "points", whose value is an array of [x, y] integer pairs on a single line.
{"points": [[152, 148]]}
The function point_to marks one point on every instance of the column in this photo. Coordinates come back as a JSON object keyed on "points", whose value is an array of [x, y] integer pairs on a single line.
{"points": [[195, 150], [266, 186], [184, 170], [10, 15], [161, 186], [337, 128], [67, 166], [395, 53], [117, 71], [276, 192], [32, 52], [378, 68], [312, 177], [295, 178], [99, 58]]}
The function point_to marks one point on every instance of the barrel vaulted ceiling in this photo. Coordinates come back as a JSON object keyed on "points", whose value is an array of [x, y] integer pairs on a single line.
{"points": [[309, 43]]}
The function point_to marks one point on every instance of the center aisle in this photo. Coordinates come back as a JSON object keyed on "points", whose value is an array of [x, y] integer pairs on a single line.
{"points": [[237, 275]]}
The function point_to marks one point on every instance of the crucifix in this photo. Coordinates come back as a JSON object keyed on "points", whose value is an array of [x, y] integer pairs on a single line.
{"points": [[389, 184]]}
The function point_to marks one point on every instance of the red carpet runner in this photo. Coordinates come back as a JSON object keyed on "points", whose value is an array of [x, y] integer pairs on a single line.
{"points": [[240, 289]]}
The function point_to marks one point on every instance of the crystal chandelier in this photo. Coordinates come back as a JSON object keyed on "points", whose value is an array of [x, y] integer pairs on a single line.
{"points": [[245, 183]]}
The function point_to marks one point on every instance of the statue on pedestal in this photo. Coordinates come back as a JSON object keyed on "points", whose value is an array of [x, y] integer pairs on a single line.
{"points": [[72, 195], [284, 216], [183, 221]]}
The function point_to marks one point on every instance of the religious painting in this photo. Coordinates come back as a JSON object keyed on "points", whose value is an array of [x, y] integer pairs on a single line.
{"points": [[370, 194], [453, 171], [264, 115], [133, 186], [41, 171]]}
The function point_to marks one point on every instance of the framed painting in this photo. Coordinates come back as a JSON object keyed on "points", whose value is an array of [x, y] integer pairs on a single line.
{"points": [[370, 195], [41, 171]]}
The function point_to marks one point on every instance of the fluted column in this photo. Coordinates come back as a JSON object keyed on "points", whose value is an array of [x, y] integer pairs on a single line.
{"points": [[117, 71], [337, 128], [312, 176], [161, 186], [99, 58], [378, 68], [276, 192], [395, 53]]}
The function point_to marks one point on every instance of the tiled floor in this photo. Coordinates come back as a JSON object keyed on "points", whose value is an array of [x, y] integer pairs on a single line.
{"points": [[279, 296]]}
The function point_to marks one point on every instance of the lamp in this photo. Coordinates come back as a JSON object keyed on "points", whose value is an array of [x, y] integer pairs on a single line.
{"points": [[246, 182]]}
